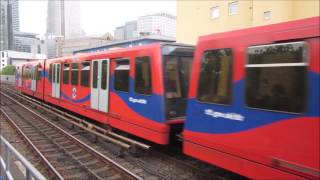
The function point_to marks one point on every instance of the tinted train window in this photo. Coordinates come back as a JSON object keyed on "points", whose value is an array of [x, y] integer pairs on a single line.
{"points": [[58, 73], [104, 74], [121, 79], [85, 74], [74, 73], [50, 73], [143, 75], [276, 77], [39, 72], [216, 77], [95, 74], [66, 68]]}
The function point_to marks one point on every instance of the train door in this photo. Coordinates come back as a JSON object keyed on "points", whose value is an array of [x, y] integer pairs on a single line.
{"points": [[33, 78], [19, 76], [100, 85], [56, 70]]}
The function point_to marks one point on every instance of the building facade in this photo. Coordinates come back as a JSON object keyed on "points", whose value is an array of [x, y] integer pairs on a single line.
{"points": [[9, 57], [160, 23], [128, 31], [196, 18], [9, 23], [63, 19]]}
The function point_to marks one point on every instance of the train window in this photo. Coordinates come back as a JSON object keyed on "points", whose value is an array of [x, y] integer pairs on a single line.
{"points": [[121, 79], [276, 77], [173, 85], [95, 74], [66, 69], [216, 77], [39, 72], [143, 83], [58, 73], [50, 73], [85, 74], [104, 74], [74, 73]]}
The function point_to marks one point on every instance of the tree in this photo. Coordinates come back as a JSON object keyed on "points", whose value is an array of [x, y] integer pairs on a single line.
{"points": [[8, 70]]}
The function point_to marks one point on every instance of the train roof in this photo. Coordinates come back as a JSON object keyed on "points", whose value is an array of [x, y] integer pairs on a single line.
{"points": [[119, 50]]}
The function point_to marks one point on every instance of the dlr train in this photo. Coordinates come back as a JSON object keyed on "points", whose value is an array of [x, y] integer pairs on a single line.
{"points": [[245, 100]]}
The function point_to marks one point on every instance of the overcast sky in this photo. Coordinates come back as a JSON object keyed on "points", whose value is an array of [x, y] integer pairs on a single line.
{"points": [[97, 17]]}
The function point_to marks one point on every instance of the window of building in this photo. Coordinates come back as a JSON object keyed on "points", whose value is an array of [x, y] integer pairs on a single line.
{"points": [[215, 12], [66, 69], [85, 74], [121, 79], [143, 83], [233, 8], [216, 77], [267, 15], [2, 54], [276, 77], [74, 73]]}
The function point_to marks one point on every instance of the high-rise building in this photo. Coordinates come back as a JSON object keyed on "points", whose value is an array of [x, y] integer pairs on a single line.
{"points": [[162, 24], [63, 19], [119, 33], [196, 18], [15, 14], [128, 31], [9, 16], [29, 42]]}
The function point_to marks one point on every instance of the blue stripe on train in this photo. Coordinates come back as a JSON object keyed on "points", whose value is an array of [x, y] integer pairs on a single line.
{"points": [[237, 117], [84, 99]]}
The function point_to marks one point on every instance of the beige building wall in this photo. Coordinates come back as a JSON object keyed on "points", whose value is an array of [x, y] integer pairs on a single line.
{"points": [[194, 17]]}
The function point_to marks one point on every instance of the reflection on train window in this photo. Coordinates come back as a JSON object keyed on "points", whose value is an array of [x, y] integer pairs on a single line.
{"points": [[121, 79], [50, 73], [66, 68], [173, 84], [58, 73], [54, 73], [74, 73], [39, 70], [85, 74], [95, 74], [104, 74], [143, 75], [276, 77], [216, 77]]}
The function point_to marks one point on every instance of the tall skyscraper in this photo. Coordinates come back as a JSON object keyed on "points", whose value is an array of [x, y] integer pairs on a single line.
{"points": [[63, 19], [9, 15]]}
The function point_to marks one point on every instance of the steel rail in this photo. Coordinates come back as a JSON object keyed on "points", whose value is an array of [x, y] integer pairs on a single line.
{"points": [[47, 163], [102, 133], [99, 155]]}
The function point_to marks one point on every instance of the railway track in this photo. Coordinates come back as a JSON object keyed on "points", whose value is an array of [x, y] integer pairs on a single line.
{"points": [[66, 155], [156, 163]]}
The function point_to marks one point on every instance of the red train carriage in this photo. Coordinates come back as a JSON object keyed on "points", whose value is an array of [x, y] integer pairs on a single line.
{"points": [[30, 78], [134, 89], [253, 104]]}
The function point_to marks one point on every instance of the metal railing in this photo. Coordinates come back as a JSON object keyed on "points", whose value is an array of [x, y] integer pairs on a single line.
{"points": [[5, 161]]}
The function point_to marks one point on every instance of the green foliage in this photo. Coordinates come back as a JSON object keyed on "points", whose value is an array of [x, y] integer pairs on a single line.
{"points": [[8, 70]]}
